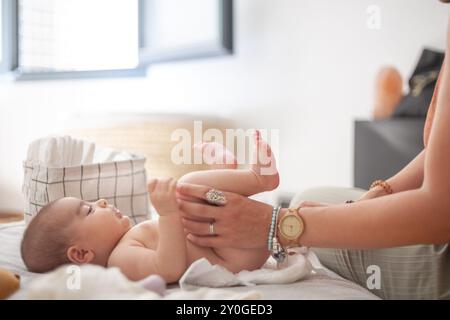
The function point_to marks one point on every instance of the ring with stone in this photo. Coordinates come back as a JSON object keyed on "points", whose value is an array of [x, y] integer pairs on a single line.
{"points": [[216, 197]]}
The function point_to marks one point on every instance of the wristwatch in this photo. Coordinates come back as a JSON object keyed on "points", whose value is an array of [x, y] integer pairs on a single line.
{"points": [[291, 226]]}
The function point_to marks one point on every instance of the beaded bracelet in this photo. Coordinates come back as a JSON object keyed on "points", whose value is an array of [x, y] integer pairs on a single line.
{"points": [[387, 188], [276, 249], [273, 225]]}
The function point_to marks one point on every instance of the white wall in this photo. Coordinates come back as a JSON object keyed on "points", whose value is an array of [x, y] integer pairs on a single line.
{"points": [[303, 66]]}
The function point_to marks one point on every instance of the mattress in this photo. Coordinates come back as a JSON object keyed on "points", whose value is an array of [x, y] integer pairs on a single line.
{"points": [[10, 259], [313, 287]]}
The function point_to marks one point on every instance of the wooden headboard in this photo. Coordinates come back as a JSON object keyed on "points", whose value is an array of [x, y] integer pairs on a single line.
{"points": [[150, 136]]}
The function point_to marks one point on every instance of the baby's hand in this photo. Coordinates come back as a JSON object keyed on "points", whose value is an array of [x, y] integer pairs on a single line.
{"points": [[163, 196]]}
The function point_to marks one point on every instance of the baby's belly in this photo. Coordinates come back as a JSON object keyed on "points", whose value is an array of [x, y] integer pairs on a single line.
{"points": [[147, 233]]}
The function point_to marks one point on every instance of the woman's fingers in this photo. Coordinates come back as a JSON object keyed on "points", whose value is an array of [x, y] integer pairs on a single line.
{"points": [[196, 191], [188, 216], [241, 223], [198, 228], [189, 198], [192, 190], [208, 241], [200, 210]]}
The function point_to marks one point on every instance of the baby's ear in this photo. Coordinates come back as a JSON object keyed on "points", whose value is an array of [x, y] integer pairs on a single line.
{"points": [[78, 255]]}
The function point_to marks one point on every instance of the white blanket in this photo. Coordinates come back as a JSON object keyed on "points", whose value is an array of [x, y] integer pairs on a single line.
{"points": [[95, 282]]}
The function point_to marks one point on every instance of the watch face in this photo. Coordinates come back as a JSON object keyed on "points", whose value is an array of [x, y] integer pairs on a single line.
{"points": [[291, 227]]}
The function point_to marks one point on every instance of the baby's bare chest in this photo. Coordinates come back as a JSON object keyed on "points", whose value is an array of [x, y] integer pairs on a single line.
{"points": [[146, 234]]}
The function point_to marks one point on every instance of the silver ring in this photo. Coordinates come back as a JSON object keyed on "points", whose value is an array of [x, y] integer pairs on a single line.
{"points": [[215, 197], [211, 229]]}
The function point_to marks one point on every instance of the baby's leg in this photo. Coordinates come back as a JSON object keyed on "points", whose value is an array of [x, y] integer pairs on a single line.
{"points": [[216, 155], [236, 260], [261, 176]]}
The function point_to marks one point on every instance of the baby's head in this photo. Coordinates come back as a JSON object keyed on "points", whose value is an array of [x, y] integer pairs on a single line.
{"points": [[70, 230]]}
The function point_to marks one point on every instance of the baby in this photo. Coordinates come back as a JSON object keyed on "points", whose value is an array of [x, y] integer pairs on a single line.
{"points": [[71, 230]]}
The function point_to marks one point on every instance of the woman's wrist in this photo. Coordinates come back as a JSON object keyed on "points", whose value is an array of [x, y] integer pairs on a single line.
{"points": [[263, 212], [375, 192], [383, 184]]}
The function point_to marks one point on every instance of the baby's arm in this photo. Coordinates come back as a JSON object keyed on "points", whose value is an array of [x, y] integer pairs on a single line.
{"points": [[171, 250], [169, 258]]}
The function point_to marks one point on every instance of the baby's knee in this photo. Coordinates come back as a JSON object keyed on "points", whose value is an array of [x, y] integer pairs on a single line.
{"points": [[195, 177], [187, 178]]}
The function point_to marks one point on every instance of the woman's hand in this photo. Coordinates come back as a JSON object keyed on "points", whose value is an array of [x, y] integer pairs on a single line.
{"points": [[373, 193], [241, 223]]}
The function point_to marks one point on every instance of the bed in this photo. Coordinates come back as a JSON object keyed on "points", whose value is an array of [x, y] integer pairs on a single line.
{"points": [[313, 287]]}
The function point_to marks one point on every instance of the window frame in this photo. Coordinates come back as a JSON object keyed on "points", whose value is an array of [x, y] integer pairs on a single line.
{"points": [[9, 39], [138, 71], [10, 47], [223, 46]]}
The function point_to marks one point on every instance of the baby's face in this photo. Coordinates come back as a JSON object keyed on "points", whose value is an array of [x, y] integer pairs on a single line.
{"points": [[96, 226]]}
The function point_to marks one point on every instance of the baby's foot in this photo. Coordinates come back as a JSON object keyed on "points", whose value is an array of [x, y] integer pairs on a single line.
{"points": [[264, 164], [216, 155]]}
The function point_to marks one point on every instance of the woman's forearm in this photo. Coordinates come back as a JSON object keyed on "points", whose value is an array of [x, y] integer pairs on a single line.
{"points": [[405, 218], [411, 176]]}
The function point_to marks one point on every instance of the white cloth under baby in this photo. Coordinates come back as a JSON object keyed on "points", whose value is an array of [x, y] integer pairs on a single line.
{"points": [[66, 151], [298, 266], [95, 282]]}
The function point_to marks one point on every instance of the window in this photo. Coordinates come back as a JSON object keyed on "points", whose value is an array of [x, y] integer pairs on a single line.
{"points": [[71, 35], [79, 38], [71, 38]]}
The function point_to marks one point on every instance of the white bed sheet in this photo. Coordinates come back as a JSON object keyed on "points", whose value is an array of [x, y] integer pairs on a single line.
{"points": [[314, 287], [10, 259]]}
